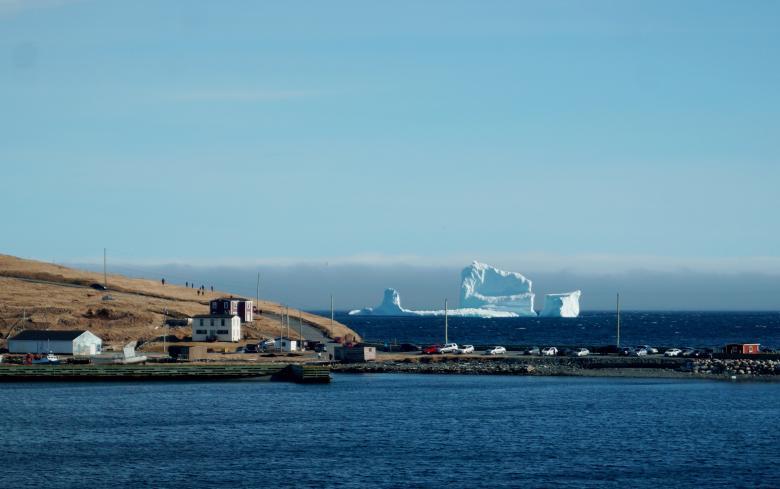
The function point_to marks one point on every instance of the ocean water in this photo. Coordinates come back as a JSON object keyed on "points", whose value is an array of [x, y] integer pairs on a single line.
{"points": [[392, 431], [696, 329]]}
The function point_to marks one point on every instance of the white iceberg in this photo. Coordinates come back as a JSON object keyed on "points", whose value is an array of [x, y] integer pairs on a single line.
{"points": [[391, 306], [561, 305], [488, 288]]}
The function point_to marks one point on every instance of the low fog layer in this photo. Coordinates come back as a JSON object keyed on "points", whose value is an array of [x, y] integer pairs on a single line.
{"points": [[357, 286]]}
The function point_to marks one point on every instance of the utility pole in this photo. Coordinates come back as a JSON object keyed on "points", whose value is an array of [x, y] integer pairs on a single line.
{"points": [[300, 325], [287, 313], [105, 275], [165, 333], [618, 320], [257, 294], [331, 315], [281, 326], [446, 326]]}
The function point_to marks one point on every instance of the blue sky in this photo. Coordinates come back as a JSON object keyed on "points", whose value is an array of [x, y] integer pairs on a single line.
{"points": [[642, 133]]}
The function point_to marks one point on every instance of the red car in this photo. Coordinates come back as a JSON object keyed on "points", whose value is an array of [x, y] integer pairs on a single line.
{"points": [[431, 350]]}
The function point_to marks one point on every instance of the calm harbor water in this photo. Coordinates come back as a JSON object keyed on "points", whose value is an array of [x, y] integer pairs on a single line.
{"points": [[696, 329], [392, 431]]}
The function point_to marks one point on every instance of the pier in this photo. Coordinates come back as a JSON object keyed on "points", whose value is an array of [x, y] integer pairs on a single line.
{"points": [[306, 373]]}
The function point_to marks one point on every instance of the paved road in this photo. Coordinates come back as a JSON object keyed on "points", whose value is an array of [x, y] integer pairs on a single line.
{"points": [[310, 333]]}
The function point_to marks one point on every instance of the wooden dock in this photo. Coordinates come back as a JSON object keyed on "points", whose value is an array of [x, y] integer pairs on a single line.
{"points": [[170, 371]]}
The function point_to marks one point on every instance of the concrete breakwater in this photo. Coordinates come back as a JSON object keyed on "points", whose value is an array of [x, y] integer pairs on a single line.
{"points": [[596, 366]]}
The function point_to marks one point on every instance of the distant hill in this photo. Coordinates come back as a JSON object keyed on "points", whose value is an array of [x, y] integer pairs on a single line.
{"points": [[38, 295]]}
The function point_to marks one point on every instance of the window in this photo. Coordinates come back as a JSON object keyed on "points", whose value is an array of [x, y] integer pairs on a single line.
{"points": [[200, 331], [223, 321], [212, 321], [222, 331]]}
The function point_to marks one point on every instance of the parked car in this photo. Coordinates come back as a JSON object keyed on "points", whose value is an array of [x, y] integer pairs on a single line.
{"points": [[408, 347], [496, 350], [449, 348], [702, 353], [672, 352], [688, 351], [607, 350], [626, 351], [251, 348], [534, 350], [241, 349], [550, 351], [465, 349], [649, 349], [98, 287], [431, 350], [580, 352], [638, 352]]}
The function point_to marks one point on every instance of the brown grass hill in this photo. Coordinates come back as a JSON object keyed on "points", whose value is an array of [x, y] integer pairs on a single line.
{"points": [[38, 295]]}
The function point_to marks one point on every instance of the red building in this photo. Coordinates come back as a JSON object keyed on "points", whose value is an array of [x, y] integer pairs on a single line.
{"points": [[742, 348], [233, 306]]}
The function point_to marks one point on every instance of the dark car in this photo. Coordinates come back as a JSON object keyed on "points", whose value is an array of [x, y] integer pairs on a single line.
{"points": [[534, 350], [408, 347], [319, 348], [99, 287], [251, 348], [702, 353]]}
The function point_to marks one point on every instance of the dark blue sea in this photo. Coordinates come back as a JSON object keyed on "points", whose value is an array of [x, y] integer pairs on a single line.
{"points": [[695, 329], [392, 431]]}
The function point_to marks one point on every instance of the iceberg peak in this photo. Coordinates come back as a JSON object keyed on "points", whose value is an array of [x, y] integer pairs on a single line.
{"points": [[390, 306], [487, 287]]}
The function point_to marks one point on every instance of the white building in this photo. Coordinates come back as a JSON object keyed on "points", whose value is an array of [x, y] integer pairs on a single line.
{"points": [[218, 327], [285, 344], [63, 342]]}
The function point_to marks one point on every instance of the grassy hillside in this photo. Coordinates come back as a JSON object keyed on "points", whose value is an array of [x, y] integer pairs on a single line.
{"points": [[37, 295]]}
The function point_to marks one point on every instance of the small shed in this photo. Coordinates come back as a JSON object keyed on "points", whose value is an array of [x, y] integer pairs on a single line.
{"points": [[285, 344], [742, 348], [355, 354], [187, 352], [65, 342]]}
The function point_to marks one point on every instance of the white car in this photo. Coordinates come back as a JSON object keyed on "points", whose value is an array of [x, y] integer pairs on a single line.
{"points": [[672, 352], [580, 352], [638, 352], [465, 349], [649, 349], [449, 348], [550, 351], [496, 350]]}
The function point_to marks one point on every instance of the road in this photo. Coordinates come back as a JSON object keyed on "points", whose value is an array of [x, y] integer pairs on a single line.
{"points": [[310, 333]]}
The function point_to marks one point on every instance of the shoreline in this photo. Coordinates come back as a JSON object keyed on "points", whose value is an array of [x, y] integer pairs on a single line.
{"points": [[606, 367]]}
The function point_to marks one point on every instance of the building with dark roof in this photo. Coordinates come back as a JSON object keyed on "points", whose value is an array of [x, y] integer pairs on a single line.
{"points": [[67, 342], [243, 308]]}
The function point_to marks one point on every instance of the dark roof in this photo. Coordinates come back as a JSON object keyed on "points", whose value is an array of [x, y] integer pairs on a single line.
{"points": [[239, 299], [52, 335], [215, 316]]}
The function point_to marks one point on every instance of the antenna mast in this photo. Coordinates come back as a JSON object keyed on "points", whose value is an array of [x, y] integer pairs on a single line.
{"points": [[105, 275]]}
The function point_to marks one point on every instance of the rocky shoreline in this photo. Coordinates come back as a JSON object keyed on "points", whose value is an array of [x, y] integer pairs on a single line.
{"points": [[565, 366]]}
